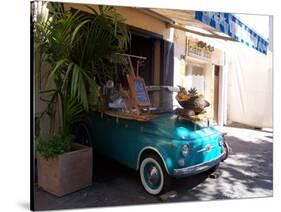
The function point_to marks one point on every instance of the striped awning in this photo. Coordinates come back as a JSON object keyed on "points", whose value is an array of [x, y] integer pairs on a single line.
{"points": [[216, 24], [233, 27]]}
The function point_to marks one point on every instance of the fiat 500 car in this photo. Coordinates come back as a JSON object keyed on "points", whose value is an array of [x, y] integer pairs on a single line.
{"points": [[162, 149]]}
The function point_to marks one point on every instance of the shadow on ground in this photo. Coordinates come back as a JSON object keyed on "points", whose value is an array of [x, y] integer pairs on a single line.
{"points": [[247, 173]]}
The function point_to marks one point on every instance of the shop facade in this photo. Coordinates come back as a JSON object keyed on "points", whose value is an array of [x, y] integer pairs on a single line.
{"points": [[150, 38], [182, 56], [201, 67], [175, 57]]}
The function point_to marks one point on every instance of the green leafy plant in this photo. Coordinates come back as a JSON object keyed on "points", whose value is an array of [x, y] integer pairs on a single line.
{"points": [[80, 49], [53, 145]]}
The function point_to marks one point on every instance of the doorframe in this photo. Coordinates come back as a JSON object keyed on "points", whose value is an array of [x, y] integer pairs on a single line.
{"points": [[217, 83], [222, 96], [144, 33]]}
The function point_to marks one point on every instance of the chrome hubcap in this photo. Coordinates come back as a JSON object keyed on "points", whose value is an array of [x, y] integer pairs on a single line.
{"points": [[152, 177]]}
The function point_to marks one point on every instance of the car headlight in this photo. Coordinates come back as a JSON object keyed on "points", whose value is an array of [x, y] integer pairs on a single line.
{"points": [[185, 150]]}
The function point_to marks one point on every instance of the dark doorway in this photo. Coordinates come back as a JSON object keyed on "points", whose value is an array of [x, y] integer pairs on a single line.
{"points": [[158, 68], [143, 46]]}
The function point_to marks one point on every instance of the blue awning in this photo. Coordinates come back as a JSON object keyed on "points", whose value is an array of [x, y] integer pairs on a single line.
{"points": [[230, 25]]}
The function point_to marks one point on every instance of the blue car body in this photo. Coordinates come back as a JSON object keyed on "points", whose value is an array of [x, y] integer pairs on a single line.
{"points": [[126, 140]]}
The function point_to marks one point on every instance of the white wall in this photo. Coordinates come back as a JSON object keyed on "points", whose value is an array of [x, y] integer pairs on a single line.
{"points": [[250, 78], [247, 77], [179, 51], [249, 86]]}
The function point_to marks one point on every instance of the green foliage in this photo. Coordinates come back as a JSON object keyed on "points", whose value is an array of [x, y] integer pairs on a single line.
{"points": [[71, 113], [192, 91], [53, 145], [81, 49]]}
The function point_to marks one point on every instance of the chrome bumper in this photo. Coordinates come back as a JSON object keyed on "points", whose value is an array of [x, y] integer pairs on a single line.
{"points": [[197, 168]]}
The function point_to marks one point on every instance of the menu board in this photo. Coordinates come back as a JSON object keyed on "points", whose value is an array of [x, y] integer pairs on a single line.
{"points": [[138, 90]]}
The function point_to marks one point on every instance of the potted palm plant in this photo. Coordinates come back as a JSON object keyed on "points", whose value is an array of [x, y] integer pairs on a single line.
{"points": [[80, 51]]}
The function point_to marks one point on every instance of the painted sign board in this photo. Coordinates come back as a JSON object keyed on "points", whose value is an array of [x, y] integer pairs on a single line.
{"points": [[204, 52], [194, 50], [233, 27], [138, 91]]}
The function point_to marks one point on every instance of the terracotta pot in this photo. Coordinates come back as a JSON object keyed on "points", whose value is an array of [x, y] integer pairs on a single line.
{"points": [[67, 172]]}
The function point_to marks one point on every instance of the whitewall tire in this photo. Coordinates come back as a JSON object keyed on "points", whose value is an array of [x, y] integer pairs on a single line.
{"points": [[153, 175]]}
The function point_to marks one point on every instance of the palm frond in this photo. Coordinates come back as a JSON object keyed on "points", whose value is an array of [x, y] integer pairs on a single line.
{"points": [[81, 51], [72, 110], [52, 74]]}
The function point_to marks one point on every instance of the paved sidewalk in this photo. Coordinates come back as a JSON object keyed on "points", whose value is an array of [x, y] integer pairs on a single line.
{"points": [[247, 173]]}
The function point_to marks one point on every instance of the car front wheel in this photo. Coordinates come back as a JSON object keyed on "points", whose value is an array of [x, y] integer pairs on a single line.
{"points": [[153, 175], [226, 150]]}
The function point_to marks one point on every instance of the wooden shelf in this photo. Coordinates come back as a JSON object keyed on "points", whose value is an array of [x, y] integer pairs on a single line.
{"points": [[131, 116]]}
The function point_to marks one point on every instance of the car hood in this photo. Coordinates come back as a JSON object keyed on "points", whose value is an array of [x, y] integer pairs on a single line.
{"points": [[167, 125]]}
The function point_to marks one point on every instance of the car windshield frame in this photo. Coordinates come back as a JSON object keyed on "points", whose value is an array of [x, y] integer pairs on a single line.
{"points": [[162, 98]]}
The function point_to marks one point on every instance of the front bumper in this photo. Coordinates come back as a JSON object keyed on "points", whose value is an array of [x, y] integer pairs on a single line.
{"points": [[198, 168]]}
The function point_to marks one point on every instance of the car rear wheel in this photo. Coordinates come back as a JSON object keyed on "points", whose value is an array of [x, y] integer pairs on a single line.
{"points": [[153, 175], [82, 135]]}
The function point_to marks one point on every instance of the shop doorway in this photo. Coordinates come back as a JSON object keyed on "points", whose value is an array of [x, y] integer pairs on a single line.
{"points": [[205, 77], [158, 68], [143, 46], [195, 77]]}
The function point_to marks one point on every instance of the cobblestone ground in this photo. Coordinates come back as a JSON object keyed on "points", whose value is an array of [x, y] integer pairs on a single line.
{"points": [[247, 173]]}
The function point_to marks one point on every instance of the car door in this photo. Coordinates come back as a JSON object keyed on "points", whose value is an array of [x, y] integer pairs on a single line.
{"points": [[116, 138]]}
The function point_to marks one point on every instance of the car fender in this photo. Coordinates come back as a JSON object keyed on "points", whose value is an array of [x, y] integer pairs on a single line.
{"points": [[167, 161]]}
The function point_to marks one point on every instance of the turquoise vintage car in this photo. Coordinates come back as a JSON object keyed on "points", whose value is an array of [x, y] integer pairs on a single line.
{"points": [[164, 148]]}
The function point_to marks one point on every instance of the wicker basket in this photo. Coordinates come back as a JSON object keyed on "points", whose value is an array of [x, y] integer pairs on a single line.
{"points": [[195, 103]]}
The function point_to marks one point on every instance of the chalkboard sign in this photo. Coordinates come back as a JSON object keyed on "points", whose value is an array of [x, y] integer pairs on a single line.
{"points": [[138, 91]]}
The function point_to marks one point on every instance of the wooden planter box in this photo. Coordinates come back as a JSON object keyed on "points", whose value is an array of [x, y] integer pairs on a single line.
{"points": [[67, 172]]}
